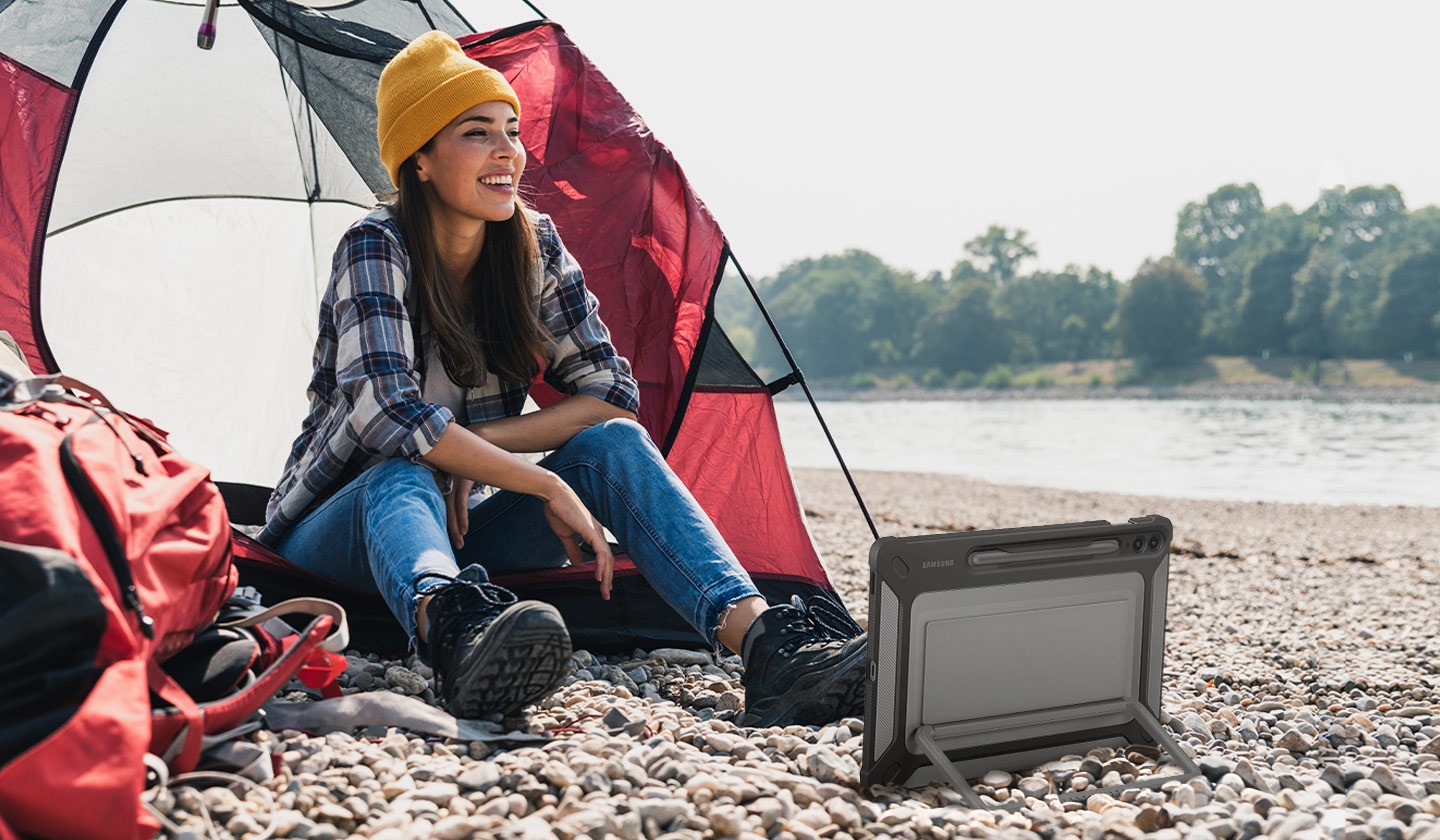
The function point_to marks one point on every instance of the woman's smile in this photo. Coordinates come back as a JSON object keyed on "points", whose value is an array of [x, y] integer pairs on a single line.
{"points": [[471, 167]]}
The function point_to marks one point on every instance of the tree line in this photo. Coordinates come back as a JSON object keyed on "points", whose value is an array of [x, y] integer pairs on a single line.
{"points": [[1356, 274]]}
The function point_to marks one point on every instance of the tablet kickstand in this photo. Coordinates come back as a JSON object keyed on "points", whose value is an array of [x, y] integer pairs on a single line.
{"points": [[925, 739]]}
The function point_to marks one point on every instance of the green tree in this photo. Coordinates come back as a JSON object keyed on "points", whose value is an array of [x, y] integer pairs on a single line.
{"points": [[1408, 306], [1306, 321], [1269, 286], [1037, 308], [842, 313], [1363, 226], [1160, 312], [962, 333], [1210, 238], [1000, 252]]}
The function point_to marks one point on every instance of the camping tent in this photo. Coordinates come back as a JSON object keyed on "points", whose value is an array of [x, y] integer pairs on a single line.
{"points": [[167, 215]]}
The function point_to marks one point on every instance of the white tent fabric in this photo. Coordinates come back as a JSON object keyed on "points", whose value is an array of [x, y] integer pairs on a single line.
{"points": [[190, 177]]}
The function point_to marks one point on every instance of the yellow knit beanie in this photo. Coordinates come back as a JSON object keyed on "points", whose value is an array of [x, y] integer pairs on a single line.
{"points": [[423, 88]]}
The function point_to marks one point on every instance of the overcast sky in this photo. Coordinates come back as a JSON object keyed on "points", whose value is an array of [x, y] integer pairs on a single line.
{"points": [[906, 128]]}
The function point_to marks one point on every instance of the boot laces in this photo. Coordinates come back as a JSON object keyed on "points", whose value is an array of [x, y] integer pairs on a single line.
{"points": [[821, 621], [462, 607]]}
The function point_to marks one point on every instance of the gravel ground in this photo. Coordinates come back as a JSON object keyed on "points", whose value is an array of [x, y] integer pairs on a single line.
{"points": [[1300, 672]]}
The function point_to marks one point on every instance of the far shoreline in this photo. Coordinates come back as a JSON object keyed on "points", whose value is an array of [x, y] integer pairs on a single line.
{"points": [[1413, 394]]}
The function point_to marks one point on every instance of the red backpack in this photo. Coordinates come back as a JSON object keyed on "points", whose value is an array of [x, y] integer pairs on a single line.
{"points": [[114, 552]]}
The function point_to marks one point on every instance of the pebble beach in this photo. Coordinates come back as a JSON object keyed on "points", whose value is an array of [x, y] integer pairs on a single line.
{"points": [[1301, 668]]}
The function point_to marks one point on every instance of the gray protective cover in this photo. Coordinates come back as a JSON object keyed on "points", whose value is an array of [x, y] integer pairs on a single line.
{"points": [[1006, 649]]}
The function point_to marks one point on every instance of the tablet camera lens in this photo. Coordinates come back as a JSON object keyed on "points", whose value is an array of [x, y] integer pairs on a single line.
{"points": [[1154, 541], [1138, 544]]}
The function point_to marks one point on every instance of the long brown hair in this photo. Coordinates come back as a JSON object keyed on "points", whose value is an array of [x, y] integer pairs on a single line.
{"points": [[496, 331]]}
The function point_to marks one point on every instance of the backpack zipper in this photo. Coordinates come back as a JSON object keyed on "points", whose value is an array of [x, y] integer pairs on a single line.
{"points": [[94, 509]]}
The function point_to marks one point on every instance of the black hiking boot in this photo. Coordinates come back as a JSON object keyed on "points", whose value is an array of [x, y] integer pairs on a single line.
{"points": [[803, 665], [493, 654]]}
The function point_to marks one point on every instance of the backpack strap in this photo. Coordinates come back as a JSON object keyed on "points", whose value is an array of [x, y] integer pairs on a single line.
{"points": [[327, 633], [231, 711], [335, 642], [185, 744]]}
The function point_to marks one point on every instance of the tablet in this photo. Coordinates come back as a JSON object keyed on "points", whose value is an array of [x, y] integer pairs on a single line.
{"points": [[1002, 650]]}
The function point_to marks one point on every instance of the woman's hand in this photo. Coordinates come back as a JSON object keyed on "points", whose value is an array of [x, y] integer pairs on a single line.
{"points": [[572, 522], [457, 510]]}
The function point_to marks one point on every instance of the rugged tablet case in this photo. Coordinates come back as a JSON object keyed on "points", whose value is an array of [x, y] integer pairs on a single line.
{"points": [[1002, 650]]}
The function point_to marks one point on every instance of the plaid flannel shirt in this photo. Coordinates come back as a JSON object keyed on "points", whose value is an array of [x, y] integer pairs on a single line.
{"points": [[365, 396]]}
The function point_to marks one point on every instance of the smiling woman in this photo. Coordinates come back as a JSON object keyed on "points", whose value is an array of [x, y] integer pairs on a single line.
{"points": [[460, 184], [442, 307]]}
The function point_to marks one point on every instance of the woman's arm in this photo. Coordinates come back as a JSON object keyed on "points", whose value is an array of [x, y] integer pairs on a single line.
{"points": [[549, 428], [470, 458]]}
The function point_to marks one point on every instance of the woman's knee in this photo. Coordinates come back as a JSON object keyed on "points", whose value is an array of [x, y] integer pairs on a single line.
{"points": [[394, 477], [615, 437]]}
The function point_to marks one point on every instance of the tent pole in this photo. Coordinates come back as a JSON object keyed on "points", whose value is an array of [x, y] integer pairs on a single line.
{"points": [[799, 377]]}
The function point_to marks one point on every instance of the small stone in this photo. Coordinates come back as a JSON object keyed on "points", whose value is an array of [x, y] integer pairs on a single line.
{"points": [[583, 823], [1215, 768], [1150, 819], [997, 779], [1292, 825], [1035, 786], [1294, 741], [662, 811], [727, 821], [394, 789], [406, 680], [1300, 800], [439, 793], [1185, 796], [843, 813], [1390, 783], [1196, 725], [813, 817], [826, 766], [678, 656], [559, 775], [1333, 776], [333, 812], [481, 776], [1367, 787], [242, 824]]}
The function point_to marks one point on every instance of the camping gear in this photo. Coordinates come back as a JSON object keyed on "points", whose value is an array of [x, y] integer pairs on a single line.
{"points": [[97, 500], [1002, 650], [114, 554], [162, 179]]}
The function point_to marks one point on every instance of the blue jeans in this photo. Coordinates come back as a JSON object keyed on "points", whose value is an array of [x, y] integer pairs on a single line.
{"points": [[386, 529]]}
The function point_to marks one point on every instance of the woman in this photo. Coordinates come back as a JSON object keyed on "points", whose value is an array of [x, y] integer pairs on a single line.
{"points": [[439, 308]]}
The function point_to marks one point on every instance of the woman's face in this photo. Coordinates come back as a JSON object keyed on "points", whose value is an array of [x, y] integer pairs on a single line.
{"points": [[471, 168]]}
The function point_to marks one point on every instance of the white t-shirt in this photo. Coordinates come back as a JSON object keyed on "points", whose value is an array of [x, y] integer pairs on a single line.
{"points": [[439, 388]]}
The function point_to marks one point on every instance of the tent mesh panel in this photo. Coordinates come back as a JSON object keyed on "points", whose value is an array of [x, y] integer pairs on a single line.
{"points": [[332, 61]]}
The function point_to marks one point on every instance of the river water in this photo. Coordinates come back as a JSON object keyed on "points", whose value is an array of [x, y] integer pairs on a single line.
{"points": [[1272, 450]]}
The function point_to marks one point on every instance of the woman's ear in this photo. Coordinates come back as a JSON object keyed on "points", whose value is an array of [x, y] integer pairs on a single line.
{"points": [[420, 168]]}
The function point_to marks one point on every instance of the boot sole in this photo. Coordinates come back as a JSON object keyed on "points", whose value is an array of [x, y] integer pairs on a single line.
{"points": [[521, 658], [816, 699]]}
